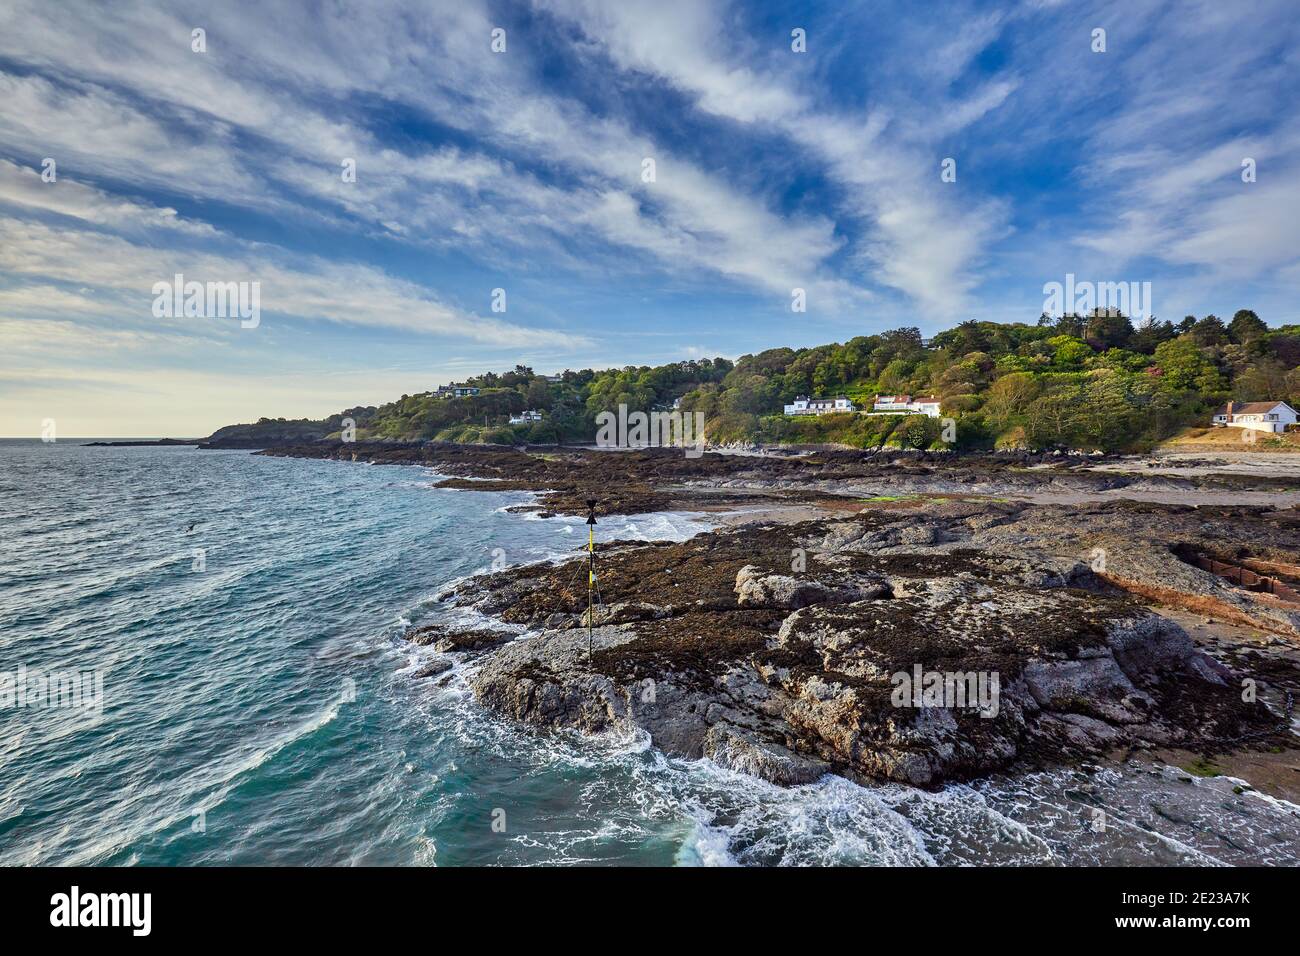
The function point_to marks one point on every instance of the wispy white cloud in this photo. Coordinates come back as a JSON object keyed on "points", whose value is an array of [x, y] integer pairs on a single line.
{"points": [[23, 186], [431, 197], [124, 273], [1165, 164], [920, 240]]}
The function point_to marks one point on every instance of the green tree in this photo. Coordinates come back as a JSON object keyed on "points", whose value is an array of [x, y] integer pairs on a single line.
{"points": [[1069, 352], [1246, 327], [1183, 365], [539, 393], [1108, 411], [1105, 331], [917, 431], [1051, 418], [1150, 334], [1210, 331], [1009, 398]]}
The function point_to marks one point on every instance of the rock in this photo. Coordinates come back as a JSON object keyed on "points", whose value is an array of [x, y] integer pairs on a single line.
{"points": [[1030, 655], [445, 639], [424, 635], [741, 750], [1083, 732], [757, 588], [625, 611], [433, 668], [542, 681], [923, 534], [1095, 686], [841, 535], [979, 522]]}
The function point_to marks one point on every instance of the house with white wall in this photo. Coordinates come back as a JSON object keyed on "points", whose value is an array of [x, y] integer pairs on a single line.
{"points": [[526, 418], [456, 391], [905, 405], [803, 405], [1257, 416]]}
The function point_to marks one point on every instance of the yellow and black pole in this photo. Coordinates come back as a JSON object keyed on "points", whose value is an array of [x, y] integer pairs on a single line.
{"points": [[591, 571]]}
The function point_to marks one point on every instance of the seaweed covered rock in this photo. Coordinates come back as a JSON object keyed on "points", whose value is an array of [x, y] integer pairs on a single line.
{"points": [[758, 588], [853, 646], [913, 667]]}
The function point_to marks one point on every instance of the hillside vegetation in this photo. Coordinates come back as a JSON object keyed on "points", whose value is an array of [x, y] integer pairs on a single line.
{"points": [[1078, 382]]}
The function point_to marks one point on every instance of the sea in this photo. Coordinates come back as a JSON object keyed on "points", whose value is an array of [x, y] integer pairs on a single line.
{"points": [[201, 662]]}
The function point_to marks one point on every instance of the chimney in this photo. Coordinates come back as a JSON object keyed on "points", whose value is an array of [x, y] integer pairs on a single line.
{"points": [[1229, 411]]}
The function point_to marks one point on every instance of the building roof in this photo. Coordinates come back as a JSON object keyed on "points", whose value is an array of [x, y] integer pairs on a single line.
{"points": [[1250, 408], [905, 399]]}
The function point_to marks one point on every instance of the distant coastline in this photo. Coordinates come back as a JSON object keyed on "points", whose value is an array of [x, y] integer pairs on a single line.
{"points": [[142, 442], [1086, 383]]}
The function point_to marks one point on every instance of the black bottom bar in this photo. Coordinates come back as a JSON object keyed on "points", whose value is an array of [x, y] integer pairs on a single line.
{"points": [[371, 905]]}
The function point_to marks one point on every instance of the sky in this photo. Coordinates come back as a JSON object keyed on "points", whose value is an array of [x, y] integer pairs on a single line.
{"points": [[582, 184]]}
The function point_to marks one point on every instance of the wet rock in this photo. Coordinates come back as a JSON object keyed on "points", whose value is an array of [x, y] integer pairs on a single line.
{"points": [[433, 668], [443, 638], [741, 750], [786, 691]]}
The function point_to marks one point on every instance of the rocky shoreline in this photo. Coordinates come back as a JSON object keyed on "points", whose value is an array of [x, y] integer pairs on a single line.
{"points": [[716, 647], [660, 479], [936, 638]]}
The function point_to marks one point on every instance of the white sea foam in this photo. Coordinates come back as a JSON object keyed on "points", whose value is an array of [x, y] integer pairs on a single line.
{"points": [[706, 845]]}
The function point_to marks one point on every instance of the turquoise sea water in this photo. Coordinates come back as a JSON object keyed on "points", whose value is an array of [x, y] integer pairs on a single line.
{"points": [[259, 706]]}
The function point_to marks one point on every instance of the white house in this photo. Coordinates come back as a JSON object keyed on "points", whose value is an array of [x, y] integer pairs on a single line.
{"points": [[456, 391], [803, 405], [526, 418], [905, 405], [1258, 416]]}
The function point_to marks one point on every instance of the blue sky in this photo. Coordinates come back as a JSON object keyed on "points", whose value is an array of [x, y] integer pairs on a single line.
{"points": [[522, 170]]}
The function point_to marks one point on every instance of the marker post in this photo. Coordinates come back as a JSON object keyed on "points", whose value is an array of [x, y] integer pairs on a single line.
{"points": [[591, 572]]}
